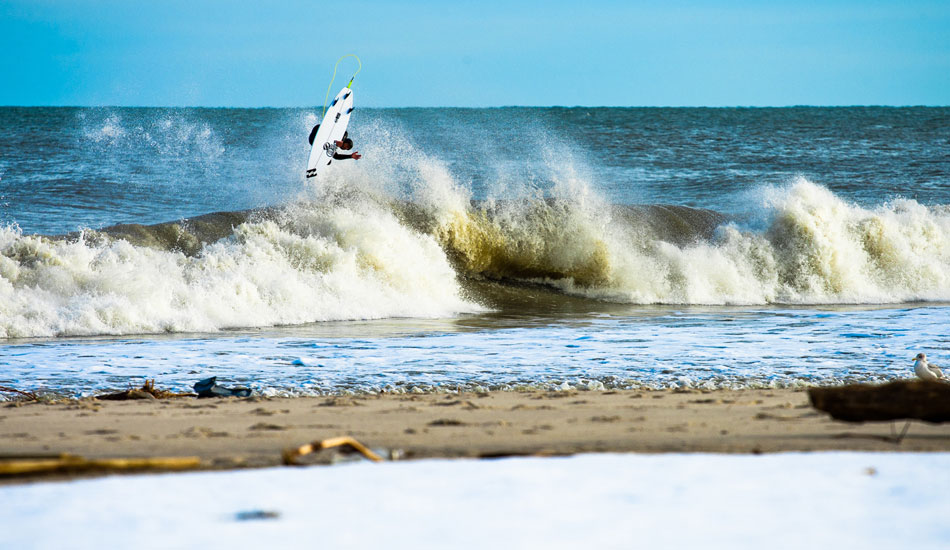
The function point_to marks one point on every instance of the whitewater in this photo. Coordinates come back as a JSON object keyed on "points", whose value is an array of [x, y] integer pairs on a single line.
{"points": [[593, 249]]}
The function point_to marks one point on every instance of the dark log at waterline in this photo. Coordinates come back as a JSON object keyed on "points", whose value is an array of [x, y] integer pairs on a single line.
{"points": [[901, 400]]}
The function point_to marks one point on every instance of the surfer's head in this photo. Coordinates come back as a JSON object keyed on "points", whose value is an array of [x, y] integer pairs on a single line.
{"points": [[346, 144]]}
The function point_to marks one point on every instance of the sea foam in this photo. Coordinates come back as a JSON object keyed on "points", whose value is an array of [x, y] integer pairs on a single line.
{"points": [[320, 264], [801, 245]]}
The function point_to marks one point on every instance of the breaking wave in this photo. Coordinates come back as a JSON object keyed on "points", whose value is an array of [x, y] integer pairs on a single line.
{"points": [[802, 245], [397, 236], [322, 264]]}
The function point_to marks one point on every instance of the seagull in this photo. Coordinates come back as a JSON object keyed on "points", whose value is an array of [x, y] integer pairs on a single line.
{"points": [[926, 371]]}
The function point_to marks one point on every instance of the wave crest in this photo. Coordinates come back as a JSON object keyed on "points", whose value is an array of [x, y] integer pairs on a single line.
{"points": [[804, 246], [330, 264]]}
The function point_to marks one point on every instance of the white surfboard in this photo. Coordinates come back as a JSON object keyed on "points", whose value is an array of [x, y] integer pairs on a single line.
{"points": [[331, 130]]}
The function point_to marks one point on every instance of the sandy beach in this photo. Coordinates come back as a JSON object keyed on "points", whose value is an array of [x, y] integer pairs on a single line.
{"points": [[236, 433]]}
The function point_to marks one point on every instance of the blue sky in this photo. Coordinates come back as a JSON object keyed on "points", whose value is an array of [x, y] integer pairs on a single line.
{"points": [[468, 53]]}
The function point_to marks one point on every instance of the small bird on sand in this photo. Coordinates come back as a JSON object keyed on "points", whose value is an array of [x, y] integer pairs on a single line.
{"points": [[926, 371]]}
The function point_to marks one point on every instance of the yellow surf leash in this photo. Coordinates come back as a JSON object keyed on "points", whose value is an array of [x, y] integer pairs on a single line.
{"points": [[334, 78]]}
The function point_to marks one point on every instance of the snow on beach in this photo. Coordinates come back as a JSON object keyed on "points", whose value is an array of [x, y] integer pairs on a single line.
{"points": [[823, 500]]}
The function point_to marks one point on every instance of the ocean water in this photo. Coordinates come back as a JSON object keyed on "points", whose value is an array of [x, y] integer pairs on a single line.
{"points": [[472, 248]]}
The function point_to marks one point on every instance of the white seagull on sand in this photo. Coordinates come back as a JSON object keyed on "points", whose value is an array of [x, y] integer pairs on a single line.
{"points": [[926, 371]]}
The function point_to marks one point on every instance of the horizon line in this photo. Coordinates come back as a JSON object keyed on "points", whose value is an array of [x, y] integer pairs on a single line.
{"points": [[791, 106]]}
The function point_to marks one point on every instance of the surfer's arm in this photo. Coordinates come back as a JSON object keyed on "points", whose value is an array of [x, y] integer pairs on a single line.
{"points": [[354, 155]]}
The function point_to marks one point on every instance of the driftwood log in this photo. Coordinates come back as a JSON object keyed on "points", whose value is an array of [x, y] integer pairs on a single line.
{"points": [[291, 455], [147, 391], [27, 465], [900, 400], [28, 394]]}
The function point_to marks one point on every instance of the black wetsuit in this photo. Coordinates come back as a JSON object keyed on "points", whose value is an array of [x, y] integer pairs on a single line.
{"points": [[336, 156]]}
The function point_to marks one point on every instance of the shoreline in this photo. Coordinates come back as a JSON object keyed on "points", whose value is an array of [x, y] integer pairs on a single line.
{"points": [[232, 433]]}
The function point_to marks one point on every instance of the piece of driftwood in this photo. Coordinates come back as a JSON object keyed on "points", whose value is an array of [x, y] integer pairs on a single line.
{"points": [[900, 400], [28, 394], [291, 455], [147, 391], [12, 466]]}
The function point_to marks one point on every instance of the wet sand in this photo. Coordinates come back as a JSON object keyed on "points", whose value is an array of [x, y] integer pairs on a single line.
{"points": [[252, 432]]}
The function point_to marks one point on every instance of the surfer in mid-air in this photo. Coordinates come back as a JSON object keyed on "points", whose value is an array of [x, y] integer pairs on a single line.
{"points": [[329, 140], [342, 146]]}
